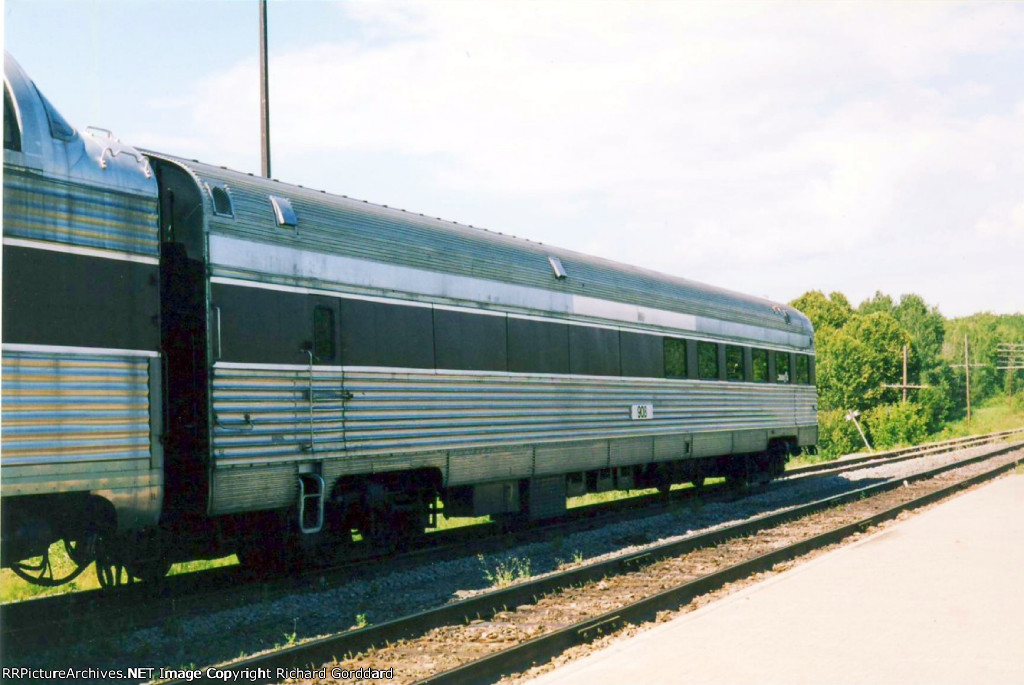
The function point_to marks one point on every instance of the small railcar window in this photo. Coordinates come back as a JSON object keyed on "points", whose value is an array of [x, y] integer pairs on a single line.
{"points": [[781, 367], [803, 369], [759, 364], [734, 370], [12, 135], [707, 360], [221, 201], [323, 334], [675, 358], [283, 211]]}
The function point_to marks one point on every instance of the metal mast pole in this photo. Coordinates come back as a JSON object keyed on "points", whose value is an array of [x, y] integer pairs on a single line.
{"points": [[264, 94], [967, 370]]}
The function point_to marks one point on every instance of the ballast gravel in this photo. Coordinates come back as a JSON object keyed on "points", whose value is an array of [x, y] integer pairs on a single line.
{"points": [[198, 641]]}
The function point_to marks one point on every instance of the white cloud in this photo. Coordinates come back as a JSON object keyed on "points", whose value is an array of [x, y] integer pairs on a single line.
{"points": [[748, 133]]}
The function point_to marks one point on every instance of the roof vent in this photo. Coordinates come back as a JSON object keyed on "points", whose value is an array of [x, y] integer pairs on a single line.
{"points": [[556, 266], [283, 211], [781, 312], [221, 200]]}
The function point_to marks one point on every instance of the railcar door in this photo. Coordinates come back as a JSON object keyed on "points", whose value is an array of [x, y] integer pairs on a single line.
{"points": [[184, 339], [326, 393]]}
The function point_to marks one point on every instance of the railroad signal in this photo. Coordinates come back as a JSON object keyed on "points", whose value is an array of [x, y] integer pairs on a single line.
{"points": [[852, 416]]}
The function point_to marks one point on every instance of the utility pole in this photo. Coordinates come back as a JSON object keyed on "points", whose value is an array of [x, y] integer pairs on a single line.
{"points": [[967, 370], [264, 95], [1011, 358], [904, 384]]}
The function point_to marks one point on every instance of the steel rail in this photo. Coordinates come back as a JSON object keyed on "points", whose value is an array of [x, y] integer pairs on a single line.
{"points": [[178, 588], [902, 453], [541, 649], [312, 654], [21, 622]]}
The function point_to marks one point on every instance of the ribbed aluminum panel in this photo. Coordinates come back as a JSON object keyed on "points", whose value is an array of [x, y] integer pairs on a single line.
{"points": [[631, 451], [672, 447], [712, 443], [337, 225], [37, 207], [252, 489], [64, 412], [564, 457], [482, 465], [394, 412], [263, 414]]}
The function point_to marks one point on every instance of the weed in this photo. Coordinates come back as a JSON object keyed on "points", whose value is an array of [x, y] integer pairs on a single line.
{"points": [[361, 621], [290, 638], [506, 572]]}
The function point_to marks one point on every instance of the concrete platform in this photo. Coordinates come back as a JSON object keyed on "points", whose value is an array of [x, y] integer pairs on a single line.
{"points": [[936, 599]]}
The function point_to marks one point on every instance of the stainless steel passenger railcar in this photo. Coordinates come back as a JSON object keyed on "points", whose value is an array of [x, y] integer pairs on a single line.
{"points": [[332, 368]]}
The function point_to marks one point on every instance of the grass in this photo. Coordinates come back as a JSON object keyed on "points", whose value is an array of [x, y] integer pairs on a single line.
{"points": [[993, 415], [506, 571], [14, 589]]}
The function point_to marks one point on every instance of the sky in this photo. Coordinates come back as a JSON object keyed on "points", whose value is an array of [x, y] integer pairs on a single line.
{"points": [[767, 148]]}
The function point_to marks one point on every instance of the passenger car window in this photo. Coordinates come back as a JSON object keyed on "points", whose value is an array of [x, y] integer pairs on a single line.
{"points": [[675, 358], [782, 367], [759, 365], [707, 360]]}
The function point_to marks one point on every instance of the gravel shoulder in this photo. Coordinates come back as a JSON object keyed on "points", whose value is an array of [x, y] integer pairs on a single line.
{"points": [[263, 625]]}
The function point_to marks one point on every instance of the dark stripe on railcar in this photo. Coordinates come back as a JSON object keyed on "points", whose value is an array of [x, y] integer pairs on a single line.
{"points": [[593, 351], [470, 341], [380, 334], [58, 298], [641, 355], [537, 346], [263, 326]]}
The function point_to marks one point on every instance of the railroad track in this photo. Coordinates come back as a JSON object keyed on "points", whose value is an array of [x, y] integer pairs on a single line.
{"points": [[32, 622], [492, 609]]}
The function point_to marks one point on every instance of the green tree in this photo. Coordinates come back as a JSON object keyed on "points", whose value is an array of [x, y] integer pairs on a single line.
{"points": [[830, 312], [880, 302], [927, 329], [891, 425], [855, 362]]}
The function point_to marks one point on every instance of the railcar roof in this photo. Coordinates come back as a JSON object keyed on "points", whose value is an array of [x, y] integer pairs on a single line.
{"points": [[341, 225]]}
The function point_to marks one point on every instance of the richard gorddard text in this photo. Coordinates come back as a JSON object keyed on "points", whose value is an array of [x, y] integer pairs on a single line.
{"points": [[242, 675]]}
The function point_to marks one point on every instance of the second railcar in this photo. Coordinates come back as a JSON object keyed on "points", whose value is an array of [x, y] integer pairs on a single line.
{"points": [[198, 361], [363, 361]]}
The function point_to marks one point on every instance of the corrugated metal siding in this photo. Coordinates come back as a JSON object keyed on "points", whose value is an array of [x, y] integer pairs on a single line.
{"points": [[37, 207], [62, 410], [338, 225], [278, 405], [481, 465], [406, 412]]}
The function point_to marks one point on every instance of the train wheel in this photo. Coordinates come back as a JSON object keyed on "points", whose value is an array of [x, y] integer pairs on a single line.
{"points": [[43, 572]]}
